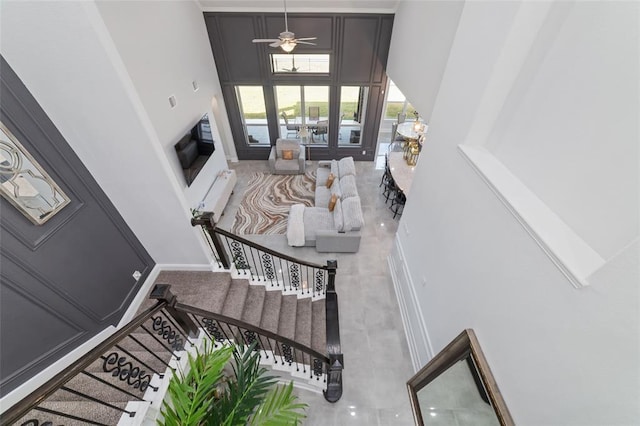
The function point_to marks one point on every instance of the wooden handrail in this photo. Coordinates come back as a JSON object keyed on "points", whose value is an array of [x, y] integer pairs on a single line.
{"points": [[206, 219], [241, 324], [40, 394]]}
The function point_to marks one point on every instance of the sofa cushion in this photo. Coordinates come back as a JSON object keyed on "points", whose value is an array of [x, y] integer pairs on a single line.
{"points": [[322, 173], [323, 194], [348, 187], [347, 167], [352, 214], [338, 219], [316, 218], [291, 165], [188, 154]]}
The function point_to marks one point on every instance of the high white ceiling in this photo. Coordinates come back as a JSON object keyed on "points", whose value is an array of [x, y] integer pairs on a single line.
{"points": [[332, 6]]}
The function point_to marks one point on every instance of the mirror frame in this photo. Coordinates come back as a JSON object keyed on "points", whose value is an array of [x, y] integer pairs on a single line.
{"points": [[466, 344]]}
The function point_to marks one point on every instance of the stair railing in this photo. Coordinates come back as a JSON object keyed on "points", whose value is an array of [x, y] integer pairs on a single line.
{"points": [[131, 376], [260, 263], [292, 271]]}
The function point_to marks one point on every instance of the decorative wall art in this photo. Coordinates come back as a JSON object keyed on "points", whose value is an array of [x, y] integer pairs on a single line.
{"points": [[25, 184]]}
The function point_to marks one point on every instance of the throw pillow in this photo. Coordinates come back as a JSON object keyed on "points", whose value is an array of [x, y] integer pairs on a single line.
{"points": [[287, 154], [330, 180], [332, 202]]}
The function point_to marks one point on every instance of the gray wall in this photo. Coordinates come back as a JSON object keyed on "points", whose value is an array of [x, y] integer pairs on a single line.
{"points": [[63, 281], [358, 44]]}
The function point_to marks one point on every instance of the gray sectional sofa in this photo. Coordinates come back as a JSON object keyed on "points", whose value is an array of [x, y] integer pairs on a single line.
{"points": [[336, 231]]}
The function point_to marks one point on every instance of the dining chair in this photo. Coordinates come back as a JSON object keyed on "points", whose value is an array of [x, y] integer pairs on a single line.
{"points": [[314, 113], [321, 129], [292, 129], [402, 117]]}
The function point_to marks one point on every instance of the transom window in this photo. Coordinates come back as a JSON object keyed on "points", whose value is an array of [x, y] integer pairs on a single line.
{"points": [[299, 63]]}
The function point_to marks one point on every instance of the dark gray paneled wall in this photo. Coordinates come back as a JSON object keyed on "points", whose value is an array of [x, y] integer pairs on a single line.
{"points": [[358, 44], [65, 280]]}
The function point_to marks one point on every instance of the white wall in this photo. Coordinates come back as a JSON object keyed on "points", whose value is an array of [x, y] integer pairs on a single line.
{"points": [[561, 356], [165, 47], [65, 56], [425, 50]]}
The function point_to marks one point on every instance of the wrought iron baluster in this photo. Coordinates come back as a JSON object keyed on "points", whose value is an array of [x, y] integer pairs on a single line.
{"points": [[318, 367], [86, 373], [125, 371], [152, 334], [319, 282], [70, 416], [96, 400], [152, 353], [164, 330], [177, 328], [268, 270], [294, 276], [136, 358]]}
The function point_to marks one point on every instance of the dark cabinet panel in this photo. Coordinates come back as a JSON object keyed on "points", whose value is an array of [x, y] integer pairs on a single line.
{"points": [[380, 61], [303, 26], [239, 54], [67, 279], [359, 39]]}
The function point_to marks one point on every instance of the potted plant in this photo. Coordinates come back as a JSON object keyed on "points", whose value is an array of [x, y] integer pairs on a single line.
{"points": [[227, 386]]}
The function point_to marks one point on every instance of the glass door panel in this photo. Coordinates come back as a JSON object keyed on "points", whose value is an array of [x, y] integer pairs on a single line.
{"points": [[353, 105], [254, 114], [315, 104], [289, 106]]}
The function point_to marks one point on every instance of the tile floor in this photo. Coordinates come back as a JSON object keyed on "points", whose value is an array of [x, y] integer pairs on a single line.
{"points": [[376, 356]]}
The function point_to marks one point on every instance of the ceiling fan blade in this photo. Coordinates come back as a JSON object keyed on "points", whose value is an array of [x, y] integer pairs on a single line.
{"points": [[307, 38], [304, 42], [276, 43], [264, 40]]}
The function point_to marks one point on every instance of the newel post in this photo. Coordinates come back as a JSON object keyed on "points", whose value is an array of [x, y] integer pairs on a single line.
{"points": [[206, 221], [334, 350], [332, 266], [163, 293]]}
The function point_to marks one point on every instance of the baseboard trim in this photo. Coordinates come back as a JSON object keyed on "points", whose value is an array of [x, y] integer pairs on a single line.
{"points": [[417, 335]]}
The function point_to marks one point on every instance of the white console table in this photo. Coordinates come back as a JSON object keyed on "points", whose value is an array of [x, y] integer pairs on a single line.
{"points": [[218, 195]]}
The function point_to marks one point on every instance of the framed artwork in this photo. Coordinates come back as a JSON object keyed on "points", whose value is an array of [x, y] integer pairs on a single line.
{"points": [[25, 184]]}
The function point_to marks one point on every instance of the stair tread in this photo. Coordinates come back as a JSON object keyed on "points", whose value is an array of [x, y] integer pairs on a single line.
{"points": [[253, 305], [84, 409], [287, 321], [271, 311], [96, 389], [236, 296], [319, 327], [303, 322]]}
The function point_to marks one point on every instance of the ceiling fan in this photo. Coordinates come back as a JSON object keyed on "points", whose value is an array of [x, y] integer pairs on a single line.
{"points": [[287, 40]]}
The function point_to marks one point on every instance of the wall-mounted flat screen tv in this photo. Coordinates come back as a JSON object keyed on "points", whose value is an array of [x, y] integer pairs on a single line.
{"points": [[195, 148]]}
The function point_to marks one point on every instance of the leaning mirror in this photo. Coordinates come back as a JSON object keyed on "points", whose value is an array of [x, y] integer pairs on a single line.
{"points": [[457, 387], [25, 184]]}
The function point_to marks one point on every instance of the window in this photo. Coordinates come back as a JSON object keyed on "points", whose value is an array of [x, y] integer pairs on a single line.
{"points": [[299, 63], [397, 103], [353, 105], [254, 114]]}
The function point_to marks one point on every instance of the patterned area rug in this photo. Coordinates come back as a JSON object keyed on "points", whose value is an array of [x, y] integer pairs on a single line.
{"points": [[265, 206]]}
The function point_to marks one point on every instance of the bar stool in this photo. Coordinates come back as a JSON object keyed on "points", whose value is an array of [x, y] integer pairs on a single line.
{"points": [[387, 171], [398, 202], [390, 190]]}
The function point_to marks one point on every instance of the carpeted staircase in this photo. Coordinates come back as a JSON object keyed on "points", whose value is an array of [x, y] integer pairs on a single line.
{"points": [[299, 319]]}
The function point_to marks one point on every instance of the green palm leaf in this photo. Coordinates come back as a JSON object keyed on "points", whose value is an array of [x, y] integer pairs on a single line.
{"points": [[279, 408], [191, 395]]}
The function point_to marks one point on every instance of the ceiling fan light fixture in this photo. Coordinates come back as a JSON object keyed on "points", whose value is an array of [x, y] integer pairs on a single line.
{"points": [[288, 45]]}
